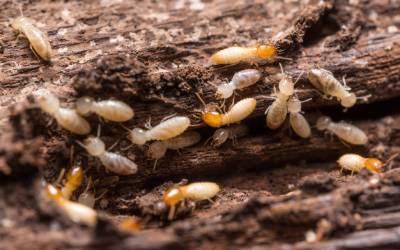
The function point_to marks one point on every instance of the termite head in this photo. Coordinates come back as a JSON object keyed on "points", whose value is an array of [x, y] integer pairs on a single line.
{"points": [[323, 122], [75, 176], [220, 136], [211, 116], [47, 101], [348, 100], [53, 192], [314, 76], [16, 23], [137, 136], [374, 165], [84, 105], [266, 51], [294, 105], [173, 196], [224, 91], [95, 146], [157, 150]]}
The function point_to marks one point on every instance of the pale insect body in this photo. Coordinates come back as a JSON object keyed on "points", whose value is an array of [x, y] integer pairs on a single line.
{"points": [[76, 212], [158, 149], [240, 80], [196, 191], [111, 110], [235, 54], [277, 111], [325, 82], [355, 163], [66, 118], [38, 40], [297, 121], [347, 132], [113, 162], [221, 135], [236, 114], [74, 180], [167, 129]]}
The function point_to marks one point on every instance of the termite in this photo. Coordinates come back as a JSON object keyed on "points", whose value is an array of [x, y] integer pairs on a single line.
{"points": [[240, 80], [74, 180], [355, 163], [221, 135], [66, 118], [111, 110], [39, 42], [76, 212], [130, 225], [236, 114], [325, 82], [167, 129], [113, 162], [196, 191], [347, 132], [297, 121], [158, 149], [277, 111], [235, 54]]}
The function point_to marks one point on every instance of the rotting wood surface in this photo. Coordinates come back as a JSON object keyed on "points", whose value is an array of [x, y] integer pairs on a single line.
{"points": [[155, 57]]}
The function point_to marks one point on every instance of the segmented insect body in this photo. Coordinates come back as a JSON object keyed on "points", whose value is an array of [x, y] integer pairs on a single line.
{"points": [[167, 129], [38, 40], [277, 112], [355, 163], [114, 162], [221, 135], [347, 132], [111, 110], [297, 121], [240, 80], [234, 55], [76, 212], [196, 191], [74, 180], [66, 118], [325, 82], [237, 113], [158, 149]]}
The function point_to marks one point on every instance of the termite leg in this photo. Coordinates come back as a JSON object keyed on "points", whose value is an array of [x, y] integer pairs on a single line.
{"points": [[147, 125], [171, 213], [112, 146], [155, 165], [168, 117], [34, 52], [60, 177]]}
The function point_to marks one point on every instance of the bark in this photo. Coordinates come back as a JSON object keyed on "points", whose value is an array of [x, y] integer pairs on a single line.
{"points": [[155, 57]]}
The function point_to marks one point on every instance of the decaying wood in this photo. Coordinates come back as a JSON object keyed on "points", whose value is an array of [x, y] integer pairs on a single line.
{"points": [[156, 57]]}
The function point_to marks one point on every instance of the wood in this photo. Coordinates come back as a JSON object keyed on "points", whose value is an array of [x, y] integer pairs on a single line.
{"points": [[155, 56]]}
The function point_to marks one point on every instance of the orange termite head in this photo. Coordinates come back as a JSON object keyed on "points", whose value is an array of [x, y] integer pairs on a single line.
{"points": [[266, 51], [173, 196], [75, 176], [212, 119], [374, 165], [53, 192], [130, 225]]}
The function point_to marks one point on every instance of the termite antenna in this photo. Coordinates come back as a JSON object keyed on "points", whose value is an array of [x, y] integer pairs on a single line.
{"points": [[98, 131], [200, 99], [306, 100], [284, 58], [125, 127], [81, 144], [300, 75], [391, 158], [282, 71]]}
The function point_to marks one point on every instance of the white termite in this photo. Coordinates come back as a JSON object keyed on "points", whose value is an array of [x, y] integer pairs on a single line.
{"points": [[111, 110], [240, 80], [355, 163], [277, 111], [325, 82], [158, 149], [66, 118], [297, 121], [113, 162], [39, 42], [167, 129], [233, 132], [346, 132]]}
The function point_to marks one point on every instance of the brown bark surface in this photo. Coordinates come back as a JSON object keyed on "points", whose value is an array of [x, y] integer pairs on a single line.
{"points": [[278, 191]]}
